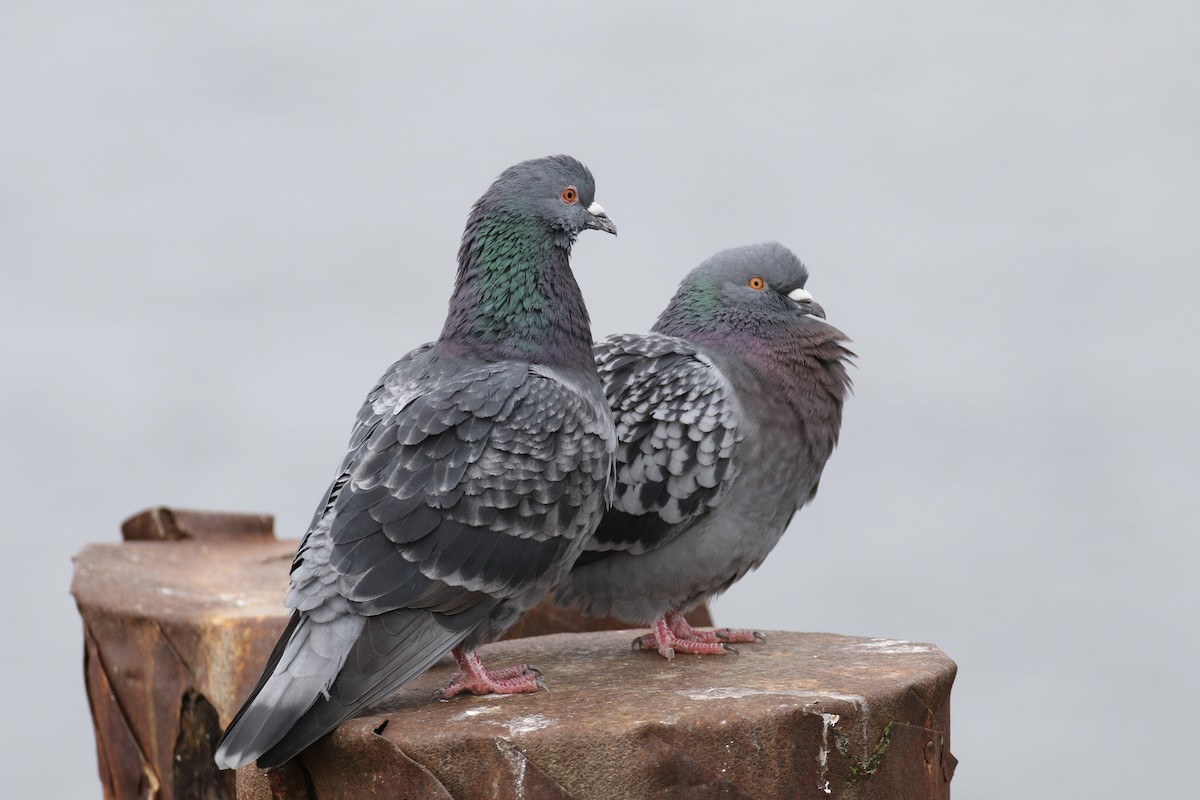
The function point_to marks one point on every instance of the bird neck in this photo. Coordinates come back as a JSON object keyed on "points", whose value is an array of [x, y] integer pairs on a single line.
{"points": [[515, 297], [798, 364], [695, 307]]}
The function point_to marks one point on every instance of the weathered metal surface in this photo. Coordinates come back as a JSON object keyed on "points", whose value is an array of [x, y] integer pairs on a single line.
{"points": [[172, 524], [176, 629], [804, 715], [179, 621]]}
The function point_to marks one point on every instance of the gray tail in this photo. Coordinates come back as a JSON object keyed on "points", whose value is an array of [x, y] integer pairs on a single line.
{"points": [[306, 659], [386, 652]]}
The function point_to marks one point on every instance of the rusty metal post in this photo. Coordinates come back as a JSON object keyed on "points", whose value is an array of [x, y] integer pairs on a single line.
{"points": [[804, 715], [179, 619]]}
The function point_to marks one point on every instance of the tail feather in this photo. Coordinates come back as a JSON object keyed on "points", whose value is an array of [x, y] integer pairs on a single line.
{"points": [[393, 649], [305, 661]]}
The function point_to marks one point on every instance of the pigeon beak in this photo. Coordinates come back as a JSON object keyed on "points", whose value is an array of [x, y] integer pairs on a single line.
{"points": [[805, 299], [598, 220]]}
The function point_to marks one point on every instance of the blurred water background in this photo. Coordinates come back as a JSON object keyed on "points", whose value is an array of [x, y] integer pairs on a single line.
{"points": [[220, 222]]}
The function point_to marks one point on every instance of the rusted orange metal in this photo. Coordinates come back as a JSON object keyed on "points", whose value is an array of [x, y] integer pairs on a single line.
{"points": [[180, 617]]}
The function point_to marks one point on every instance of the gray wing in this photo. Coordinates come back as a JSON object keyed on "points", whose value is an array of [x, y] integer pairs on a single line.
{"points": [[676, 418], [464, 495], [463, 487]]}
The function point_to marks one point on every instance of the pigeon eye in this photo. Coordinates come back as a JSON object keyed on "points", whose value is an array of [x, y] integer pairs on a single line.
{"points": [[756, 283], [570, 195]]}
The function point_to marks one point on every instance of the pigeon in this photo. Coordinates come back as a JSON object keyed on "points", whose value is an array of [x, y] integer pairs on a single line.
{"points": [[476, 470], [726, 414]]}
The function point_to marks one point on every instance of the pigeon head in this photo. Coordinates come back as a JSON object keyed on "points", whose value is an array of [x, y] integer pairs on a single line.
{"points": [[556, 192], [515, 296], [749, 288]]}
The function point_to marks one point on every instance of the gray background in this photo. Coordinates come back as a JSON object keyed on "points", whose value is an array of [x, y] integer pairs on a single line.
{"points": [[219, 224]]}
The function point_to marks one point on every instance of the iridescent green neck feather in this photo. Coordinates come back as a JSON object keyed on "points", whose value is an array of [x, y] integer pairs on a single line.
{"points": [[694, 307], [515, 296]]}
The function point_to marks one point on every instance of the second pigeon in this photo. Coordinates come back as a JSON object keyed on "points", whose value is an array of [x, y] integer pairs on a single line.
{"points": [[725, 415]]}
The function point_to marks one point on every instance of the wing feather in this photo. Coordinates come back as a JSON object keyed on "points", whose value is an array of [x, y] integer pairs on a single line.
{"points": [[676, 419]]}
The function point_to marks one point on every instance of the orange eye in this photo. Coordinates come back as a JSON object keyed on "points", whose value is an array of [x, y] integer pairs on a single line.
{"points": [[756, 283], [570, 195]]}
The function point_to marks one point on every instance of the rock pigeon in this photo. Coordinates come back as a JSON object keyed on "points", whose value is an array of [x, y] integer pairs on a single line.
{"points": [[476, 471], [725, 415]]}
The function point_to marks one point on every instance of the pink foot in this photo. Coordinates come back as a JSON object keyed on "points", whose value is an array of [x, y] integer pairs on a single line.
{"points": [[681, 628], [673, 634], [474, 678]]}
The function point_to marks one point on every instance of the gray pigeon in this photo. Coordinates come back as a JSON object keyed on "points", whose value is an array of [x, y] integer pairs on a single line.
{"points": [[476, 470], [725, 417]]}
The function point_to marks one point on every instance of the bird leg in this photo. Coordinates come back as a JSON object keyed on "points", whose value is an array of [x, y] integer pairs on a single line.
{"points": [[673, 634], [680, 627], [474, 678]]}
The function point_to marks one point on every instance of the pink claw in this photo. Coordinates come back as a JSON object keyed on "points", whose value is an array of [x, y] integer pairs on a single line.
{"points": [[474, 678], [672, 634]]}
